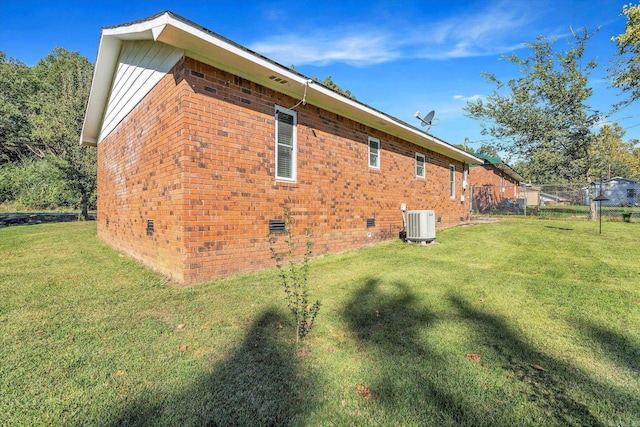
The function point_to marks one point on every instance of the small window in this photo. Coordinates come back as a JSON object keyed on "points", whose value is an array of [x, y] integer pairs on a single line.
{"points": [[374, 153], [631, 193], [286, 122], [420, 160], [452, 181]]}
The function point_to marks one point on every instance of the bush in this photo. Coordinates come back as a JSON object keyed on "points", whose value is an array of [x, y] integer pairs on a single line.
{"points": [[36, 184], [293, 278], [7, 185]]}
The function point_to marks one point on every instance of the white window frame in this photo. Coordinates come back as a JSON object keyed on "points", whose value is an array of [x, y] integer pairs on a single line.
{"points": [[294, 149], [377, 165], [424, 165], [452, 182]]}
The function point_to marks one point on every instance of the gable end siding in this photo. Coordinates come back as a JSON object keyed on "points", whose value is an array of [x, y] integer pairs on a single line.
{"points": [[141, 66]]}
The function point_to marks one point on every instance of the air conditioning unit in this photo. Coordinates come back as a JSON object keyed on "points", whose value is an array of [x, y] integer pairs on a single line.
{"points": [[421, 226]]}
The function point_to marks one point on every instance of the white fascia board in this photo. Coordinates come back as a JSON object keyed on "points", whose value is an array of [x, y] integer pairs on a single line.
{"points": [[224, 54], [198, 42], [108, 52], [104, 71]]}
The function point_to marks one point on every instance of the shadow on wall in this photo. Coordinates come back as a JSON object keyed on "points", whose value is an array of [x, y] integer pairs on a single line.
{"points": [[258, 385]]}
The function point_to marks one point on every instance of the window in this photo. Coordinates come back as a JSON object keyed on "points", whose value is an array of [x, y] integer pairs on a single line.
{"points": [[631, 193], [420, 165], [286, 121], [452, 181], [374, 153]]}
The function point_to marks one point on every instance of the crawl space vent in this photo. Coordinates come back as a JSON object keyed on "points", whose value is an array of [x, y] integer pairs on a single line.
{"points": [[276, 226]]}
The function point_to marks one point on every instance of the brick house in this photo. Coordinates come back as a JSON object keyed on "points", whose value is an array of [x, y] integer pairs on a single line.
{"points": [[202, 143], [493, 184]]}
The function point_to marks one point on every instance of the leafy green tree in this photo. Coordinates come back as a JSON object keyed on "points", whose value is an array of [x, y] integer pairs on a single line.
{"points": [[612, 156], [488, 150], [16, 89], [466, 148], [539, 169], [328, 82], [625, 73], [64, 80], [543, 113]]}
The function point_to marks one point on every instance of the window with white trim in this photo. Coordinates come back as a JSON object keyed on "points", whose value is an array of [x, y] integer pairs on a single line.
{"points": [[420, 161], [452, 181], [286, 123], [374, 153]]}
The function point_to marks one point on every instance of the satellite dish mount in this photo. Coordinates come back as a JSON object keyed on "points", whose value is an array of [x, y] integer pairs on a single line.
{"points": [[427, 120]]}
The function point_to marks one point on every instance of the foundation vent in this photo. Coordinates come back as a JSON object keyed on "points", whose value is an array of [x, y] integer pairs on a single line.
{"points": [[276, 226]]}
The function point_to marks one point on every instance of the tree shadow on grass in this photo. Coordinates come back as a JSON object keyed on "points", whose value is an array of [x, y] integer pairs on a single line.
{"points": [[406, 376], [553, 385], [543, 375], [414, 378], [260, 384], [618, 348]]}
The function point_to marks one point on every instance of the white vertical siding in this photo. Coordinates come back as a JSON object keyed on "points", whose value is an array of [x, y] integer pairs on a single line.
{"points": [[141, 66]]}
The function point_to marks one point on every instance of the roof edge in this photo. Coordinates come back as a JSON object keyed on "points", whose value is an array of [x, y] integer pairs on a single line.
{"points": [[156, 26]]}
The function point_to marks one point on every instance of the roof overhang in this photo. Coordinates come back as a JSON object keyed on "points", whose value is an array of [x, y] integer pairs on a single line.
{"points": [[497, 163], [509, 171], [215, 50]]}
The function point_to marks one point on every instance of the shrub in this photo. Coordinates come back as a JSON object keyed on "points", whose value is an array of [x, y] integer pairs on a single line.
{"points": [[35, 184], [293, 278]]}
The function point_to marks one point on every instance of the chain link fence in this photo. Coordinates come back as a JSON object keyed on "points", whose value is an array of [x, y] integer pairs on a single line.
{"points": [[559, 201]]}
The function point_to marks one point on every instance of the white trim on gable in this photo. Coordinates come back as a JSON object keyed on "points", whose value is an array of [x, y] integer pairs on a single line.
{"points": [[142, 64], [212, 49]]}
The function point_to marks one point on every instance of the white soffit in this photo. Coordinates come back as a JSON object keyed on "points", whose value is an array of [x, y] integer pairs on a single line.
{"points": [[141, 66], [212, 49]]}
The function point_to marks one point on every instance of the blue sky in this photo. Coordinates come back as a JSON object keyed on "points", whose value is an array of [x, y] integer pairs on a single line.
{"points": [[396, 56]]}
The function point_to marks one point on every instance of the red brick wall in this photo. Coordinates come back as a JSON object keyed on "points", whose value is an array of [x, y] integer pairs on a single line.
{"points": [[140, 179], [490, 186], [198, 159]]}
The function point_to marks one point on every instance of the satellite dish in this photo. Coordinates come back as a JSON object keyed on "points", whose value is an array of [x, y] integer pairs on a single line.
{"points": [[426, 121]]}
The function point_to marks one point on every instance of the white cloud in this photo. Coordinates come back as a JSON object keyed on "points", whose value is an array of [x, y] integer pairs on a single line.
{"points": [[467, 98], [354, 48], [494, 30]]}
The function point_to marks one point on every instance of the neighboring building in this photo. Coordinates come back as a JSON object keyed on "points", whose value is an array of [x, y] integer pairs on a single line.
{"points": [[202, 144], [494, 184], [547, 199], [619, 191], [532, 194]]}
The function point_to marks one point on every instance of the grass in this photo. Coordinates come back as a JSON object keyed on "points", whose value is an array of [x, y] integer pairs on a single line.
{"points": [[609, 213], [522, 322]]}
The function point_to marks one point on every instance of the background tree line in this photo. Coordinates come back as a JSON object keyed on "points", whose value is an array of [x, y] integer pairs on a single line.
{"points": [[42, 164], [541, 121]]}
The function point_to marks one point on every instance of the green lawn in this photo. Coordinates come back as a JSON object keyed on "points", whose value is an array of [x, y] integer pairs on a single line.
{"points": [[521, 322]]}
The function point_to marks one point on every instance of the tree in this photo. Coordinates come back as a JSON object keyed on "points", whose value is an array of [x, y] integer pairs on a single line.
{"points": [[328, 82], [612, 156], [543, 114], [625, 74], [57, 113], [488, 150], [16, 88]]}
